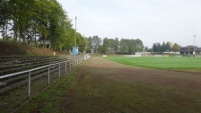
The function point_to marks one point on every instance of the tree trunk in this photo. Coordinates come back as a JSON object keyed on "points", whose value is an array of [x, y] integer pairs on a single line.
{"points": [[18, 36], [35, 40], [50, 45], [43, 43], [15, 32], [3, 33]]}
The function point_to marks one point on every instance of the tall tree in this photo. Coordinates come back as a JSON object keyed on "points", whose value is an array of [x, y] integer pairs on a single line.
{"points": [[168, 46], [5, 15], [175, 47], [106, 45], [42, 20], [89, 45], [96, 43]]}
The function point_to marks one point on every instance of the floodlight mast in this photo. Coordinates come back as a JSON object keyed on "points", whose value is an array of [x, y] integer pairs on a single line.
{"points": [[75, 29], [194, 43], [194, 39]]}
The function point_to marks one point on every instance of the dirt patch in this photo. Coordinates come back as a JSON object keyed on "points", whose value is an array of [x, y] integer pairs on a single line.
{"points": [[67, 103], [114, 87], [81, 78]]}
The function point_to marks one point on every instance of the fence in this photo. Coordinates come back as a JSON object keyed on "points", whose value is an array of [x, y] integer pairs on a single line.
{"points": [[13, 80]]}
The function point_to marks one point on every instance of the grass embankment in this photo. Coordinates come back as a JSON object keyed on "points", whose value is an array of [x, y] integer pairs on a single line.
{"points": [[15, 49], [102, 86], [186, 64]]}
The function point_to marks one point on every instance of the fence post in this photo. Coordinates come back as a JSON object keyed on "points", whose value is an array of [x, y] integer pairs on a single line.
{"points": [[59, 70], [70, 64], [48, 82], [29, 85], [65, 67]]}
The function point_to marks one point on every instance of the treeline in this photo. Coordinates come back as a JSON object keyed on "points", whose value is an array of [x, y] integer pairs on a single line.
{"points": [[40, 21], [108, 45], [165, 47]]}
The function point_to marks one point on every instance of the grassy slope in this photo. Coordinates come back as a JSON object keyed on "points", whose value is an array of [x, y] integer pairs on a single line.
{"points": [[90, 91], [11, 49], [190, 64]]}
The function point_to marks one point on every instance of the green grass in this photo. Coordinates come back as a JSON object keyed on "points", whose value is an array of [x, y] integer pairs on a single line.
{"points": [[49, 100], [160, 62]]}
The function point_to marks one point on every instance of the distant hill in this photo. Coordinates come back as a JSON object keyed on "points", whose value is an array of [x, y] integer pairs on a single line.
{"points": [[12, 49]]}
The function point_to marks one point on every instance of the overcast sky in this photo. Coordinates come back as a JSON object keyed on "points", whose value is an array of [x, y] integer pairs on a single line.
{"points": [[149, 20]]}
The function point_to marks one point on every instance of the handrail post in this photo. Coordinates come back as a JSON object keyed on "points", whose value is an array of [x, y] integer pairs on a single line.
{"points": [[65, 67], [29, 85], [48, 79], [70, 64], [59, 70]]}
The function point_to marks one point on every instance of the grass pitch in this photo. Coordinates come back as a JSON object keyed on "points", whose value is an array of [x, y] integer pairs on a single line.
{"points": [[189, 64]]}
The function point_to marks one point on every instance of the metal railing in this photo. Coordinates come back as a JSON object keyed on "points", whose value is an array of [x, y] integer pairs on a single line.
{"points": [[59, 65]]}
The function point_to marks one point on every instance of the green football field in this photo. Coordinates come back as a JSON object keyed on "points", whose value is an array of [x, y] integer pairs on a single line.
{"points": [[170, 63]]}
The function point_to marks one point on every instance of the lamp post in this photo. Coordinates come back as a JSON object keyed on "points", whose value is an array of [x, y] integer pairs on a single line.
{"points": [[194, 38], [75, 48], [75, 29], [194, 44]]}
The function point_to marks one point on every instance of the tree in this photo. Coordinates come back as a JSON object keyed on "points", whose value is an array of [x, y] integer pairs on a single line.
{"points": [[89, 45], [5, 15], [38, 20], [157, 47], [133, 45], [81, 42], [154, 47], [146, 49], [124, 46], [163, 47], [139, 46], [168, 46], [116, 44], [96, 42], [175, 47], [106, 45]]}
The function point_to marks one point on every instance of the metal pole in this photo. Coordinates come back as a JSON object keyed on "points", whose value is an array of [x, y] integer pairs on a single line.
{"points": [[48, 82], [194, 43], [75, 30], [59, 70], [29, 84], [65, 67], [70, 64], [194, 38]]}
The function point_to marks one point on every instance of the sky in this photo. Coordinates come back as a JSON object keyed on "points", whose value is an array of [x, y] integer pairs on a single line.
{"points": [[151, 21]]}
